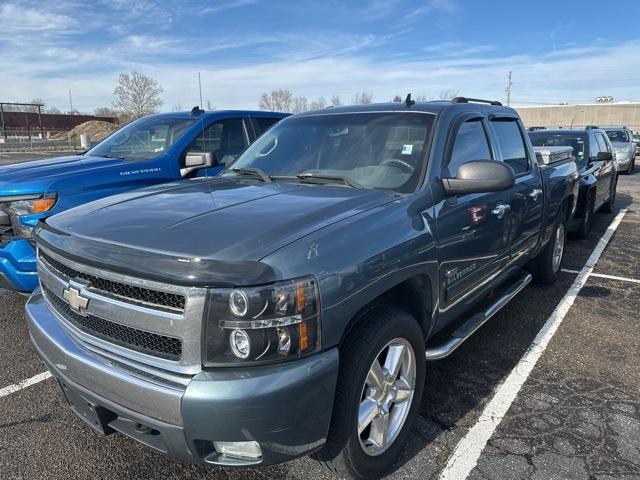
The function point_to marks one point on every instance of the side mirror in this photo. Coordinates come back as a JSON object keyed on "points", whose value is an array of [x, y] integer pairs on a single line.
{"points": [[604, 156], [480, 176], [200, 160]]}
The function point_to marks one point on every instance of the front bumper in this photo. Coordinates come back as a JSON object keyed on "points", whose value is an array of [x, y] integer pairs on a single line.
{"points": [[286, 408], [18, 270]]}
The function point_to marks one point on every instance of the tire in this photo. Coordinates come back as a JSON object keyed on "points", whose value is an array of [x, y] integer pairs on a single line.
{"points": [[587, 218], [352, 454], [545, 267], [607, 207], [632, 165]]}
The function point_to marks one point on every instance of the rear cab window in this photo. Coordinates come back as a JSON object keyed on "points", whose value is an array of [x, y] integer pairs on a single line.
{"points": [[578, 141]]}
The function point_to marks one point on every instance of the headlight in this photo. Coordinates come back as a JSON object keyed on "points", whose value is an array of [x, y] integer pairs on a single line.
{"points": [[22, 206], [262, 324]]}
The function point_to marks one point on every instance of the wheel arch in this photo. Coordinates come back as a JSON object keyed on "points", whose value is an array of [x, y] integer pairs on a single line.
{"points": [[414, 295]]}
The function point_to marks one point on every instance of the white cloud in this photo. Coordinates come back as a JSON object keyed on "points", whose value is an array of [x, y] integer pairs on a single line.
{"points": [[18, 19], [221, 5]]}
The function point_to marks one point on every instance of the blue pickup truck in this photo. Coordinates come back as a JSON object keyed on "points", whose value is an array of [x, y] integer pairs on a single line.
{"points": [[289, 305], [155, 149]]}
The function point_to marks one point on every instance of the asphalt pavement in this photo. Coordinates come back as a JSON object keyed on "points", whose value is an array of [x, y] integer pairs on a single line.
{"points": [[576, 416]]}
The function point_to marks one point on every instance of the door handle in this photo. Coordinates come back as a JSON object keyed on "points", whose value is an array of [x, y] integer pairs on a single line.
{"points": [[500, 210], [534, 194]]}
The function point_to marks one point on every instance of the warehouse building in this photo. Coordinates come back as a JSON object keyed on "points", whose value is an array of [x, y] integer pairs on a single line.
{"points": [[578, 116]]}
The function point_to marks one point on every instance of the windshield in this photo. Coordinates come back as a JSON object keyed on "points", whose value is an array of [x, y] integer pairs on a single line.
{"points": [[143, 139], [577, 141], [617, 136], [372, 150]]}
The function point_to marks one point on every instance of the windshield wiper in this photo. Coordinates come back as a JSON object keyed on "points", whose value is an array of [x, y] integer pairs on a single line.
{"points": [[328, 179], [112, 156], [256, 172]]}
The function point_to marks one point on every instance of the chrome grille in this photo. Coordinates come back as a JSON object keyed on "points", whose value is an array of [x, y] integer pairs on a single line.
{"points": [[149, 330], [143, 296], [139, 340]]}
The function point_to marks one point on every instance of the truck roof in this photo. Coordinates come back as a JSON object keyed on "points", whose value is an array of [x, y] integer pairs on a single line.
{"points": [[217, 113], [435, 107]]}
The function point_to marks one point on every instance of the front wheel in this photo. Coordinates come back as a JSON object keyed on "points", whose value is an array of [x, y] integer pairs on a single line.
{"points": [[546, 266], [632, 165], [378, 394]]}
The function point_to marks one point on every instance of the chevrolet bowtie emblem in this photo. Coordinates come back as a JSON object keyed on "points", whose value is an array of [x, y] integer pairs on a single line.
{"points": [[76, 301]]}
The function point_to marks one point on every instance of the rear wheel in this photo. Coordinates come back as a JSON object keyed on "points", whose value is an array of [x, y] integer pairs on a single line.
{"points": [[546, 266], [378, 393], [587, 218]]}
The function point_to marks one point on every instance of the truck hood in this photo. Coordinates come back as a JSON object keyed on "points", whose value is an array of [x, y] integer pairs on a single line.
{"points": [[226, 219], [36, 176]]}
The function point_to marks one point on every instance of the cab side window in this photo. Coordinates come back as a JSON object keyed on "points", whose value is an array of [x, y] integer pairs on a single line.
{"points": [[604, 146], [514, 152], [226, 138], [470, 144], [262, 124], [594, 146]]}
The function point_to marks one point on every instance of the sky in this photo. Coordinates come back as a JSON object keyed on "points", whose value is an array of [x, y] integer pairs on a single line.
{"points": [[558, 51]]}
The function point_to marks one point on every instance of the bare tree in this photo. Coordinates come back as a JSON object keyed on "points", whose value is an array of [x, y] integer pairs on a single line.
{"points": [[280, 100], [443, 95], [397, 98], [106, 112], [137, 95], [54, 110], [447, 94], [336, 101], [362, 98], [299, 105], [318, 103], [35, 102]]}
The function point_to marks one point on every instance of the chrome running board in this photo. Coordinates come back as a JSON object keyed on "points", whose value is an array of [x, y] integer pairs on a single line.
{"points": [[468, 328]]}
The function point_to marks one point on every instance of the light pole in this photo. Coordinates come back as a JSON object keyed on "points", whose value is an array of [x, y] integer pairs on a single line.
{"points": [[200, 88]]}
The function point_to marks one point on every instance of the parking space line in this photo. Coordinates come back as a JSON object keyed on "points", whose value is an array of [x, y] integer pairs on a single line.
{"points": [[603, 275], [24, 384], [466, 454]]}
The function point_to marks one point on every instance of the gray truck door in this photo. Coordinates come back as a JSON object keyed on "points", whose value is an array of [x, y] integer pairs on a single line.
{"points": [[526, 198], [472, 229]]}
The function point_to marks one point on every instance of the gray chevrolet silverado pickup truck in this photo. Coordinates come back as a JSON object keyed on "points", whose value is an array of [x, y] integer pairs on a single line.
{"points": [[290, 306]]}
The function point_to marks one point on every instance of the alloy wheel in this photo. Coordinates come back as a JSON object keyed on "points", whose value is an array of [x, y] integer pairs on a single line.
{"points": [[386, 396], [558, 247]]}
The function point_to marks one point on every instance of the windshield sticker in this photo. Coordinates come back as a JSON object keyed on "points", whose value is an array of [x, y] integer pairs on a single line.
{"points": [[141, 171], [407, 149]]}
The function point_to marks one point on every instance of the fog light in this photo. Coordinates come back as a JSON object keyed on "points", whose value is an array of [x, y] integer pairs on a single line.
{"points": [[242, 450], [240, 343]]}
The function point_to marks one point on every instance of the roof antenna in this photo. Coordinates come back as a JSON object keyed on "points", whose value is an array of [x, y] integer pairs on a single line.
{"points": [[196, 110], [408, 102]]}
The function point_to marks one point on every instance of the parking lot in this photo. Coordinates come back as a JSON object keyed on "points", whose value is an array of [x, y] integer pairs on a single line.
{"points": [[495, 409]]}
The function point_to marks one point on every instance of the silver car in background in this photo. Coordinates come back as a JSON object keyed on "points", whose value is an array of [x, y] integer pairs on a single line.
{"points": [[636, 141], [622, 141]]}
